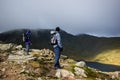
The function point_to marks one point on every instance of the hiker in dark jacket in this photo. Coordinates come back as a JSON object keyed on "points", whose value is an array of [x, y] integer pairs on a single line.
{"points": [[27, 40]]}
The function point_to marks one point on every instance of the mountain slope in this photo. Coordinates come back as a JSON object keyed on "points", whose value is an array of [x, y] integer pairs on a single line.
{"points": [[78, 47], [109, 56]]}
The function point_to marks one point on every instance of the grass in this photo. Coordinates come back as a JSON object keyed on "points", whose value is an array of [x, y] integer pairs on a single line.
{"points": [[109, 57]]}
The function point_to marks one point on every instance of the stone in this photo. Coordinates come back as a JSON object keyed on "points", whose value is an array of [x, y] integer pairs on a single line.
{"points": [[3, 69], [20, 58], [19, 47], [5, 47], [24, 71], [81, 64], [58, 74], [80, 72], [64, 73], [116, 75], [39, 78], [23, 67], [21, 52], [64, 57], [98, 79]]}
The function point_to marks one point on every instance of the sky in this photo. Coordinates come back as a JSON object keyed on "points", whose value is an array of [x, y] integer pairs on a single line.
{"points": [[95, 17]]}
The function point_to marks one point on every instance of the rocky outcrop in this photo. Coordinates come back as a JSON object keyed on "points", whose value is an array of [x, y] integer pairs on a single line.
{"points": [[64, 73], [80, 72], [81, 64], [5, 47], [38, 65]]}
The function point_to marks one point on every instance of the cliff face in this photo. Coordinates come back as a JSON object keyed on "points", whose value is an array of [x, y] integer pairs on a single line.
{"points": [[38, 65]]}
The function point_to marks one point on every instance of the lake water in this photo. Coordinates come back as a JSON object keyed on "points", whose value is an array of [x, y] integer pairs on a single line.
{"points": [[103, 67]]}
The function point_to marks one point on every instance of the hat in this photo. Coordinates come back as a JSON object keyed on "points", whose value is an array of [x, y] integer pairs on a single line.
{"points": [[57, 29], [52, 32]]}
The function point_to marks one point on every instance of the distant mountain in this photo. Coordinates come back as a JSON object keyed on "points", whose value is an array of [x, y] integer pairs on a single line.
{"points": [[81, 46]]}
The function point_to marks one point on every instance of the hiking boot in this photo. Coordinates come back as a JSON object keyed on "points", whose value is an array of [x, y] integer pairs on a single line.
{"points": [[60, 67]]}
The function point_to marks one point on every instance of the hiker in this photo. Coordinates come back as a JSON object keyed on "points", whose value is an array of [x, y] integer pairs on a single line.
{"points": [[27, 40], [57, 45]]}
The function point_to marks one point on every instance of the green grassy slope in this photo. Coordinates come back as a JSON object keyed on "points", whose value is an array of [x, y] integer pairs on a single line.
{"points": [[109, 57]]}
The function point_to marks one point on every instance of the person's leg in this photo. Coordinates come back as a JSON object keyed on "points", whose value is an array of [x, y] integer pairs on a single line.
{"points": [[57, 57], [27, 48]]}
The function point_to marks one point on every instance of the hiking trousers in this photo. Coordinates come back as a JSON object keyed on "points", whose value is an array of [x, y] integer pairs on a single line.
{"points": [[57, 56], [27, 44]]}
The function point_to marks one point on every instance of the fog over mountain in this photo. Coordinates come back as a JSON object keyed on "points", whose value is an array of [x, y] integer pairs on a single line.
{"points": [[96, 17]]}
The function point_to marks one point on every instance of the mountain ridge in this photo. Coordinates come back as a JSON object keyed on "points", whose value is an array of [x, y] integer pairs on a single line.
{"points": [[82, 46]]}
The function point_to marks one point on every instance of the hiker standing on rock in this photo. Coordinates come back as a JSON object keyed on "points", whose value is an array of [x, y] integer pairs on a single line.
{"points": [[57, 45], [27, 40]]}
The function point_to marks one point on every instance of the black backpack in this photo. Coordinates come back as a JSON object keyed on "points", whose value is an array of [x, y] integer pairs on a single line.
{"points": [[26, 37]]}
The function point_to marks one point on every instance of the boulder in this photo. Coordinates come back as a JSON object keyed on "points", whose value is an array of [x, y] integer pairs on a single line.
{"points": [[39, 78], [63, 73], [64, 57], [5, 47], [58, 74], [80, 72], [19, 47], [81, 64], [20, 52], [24, 71], [115, 75]]}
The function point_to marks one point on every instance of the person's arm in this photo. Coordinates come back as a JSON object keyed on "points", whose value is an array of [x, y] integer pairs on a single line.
{"points": [[59, 40]]}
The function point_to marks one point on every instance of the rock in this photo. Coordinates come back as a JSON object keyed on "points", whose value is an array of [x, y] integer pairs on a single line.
{"points": [[34, 64], [42, 52], [23, 71], [81, 64], [5, 47], [80, 72], [38, 64], [3, 69], [45, 55], [58, 74], [64, 57], [39, 78], [47, 52], [1, 59], [23, 66], [20, 58], [98, 79], [64, 73], [20, 52], [70, 78], [36, 54], [19, 47], [70, 61], [115, 75], [30, 78]]}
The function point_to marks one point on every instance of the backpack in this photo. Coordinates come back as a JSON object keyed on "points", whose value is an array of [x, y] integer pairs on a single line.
{"points": [[53, 39], [26, 37]]}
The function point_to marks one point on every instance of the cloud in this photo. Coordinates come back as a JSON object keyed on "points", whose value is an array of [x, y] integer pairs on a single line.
{"points": [[75, 16]]}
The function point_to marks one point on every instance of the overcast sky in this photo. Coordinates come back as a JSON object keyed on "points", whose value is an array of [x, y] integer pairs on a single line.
{"points": [[97, 17]]}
